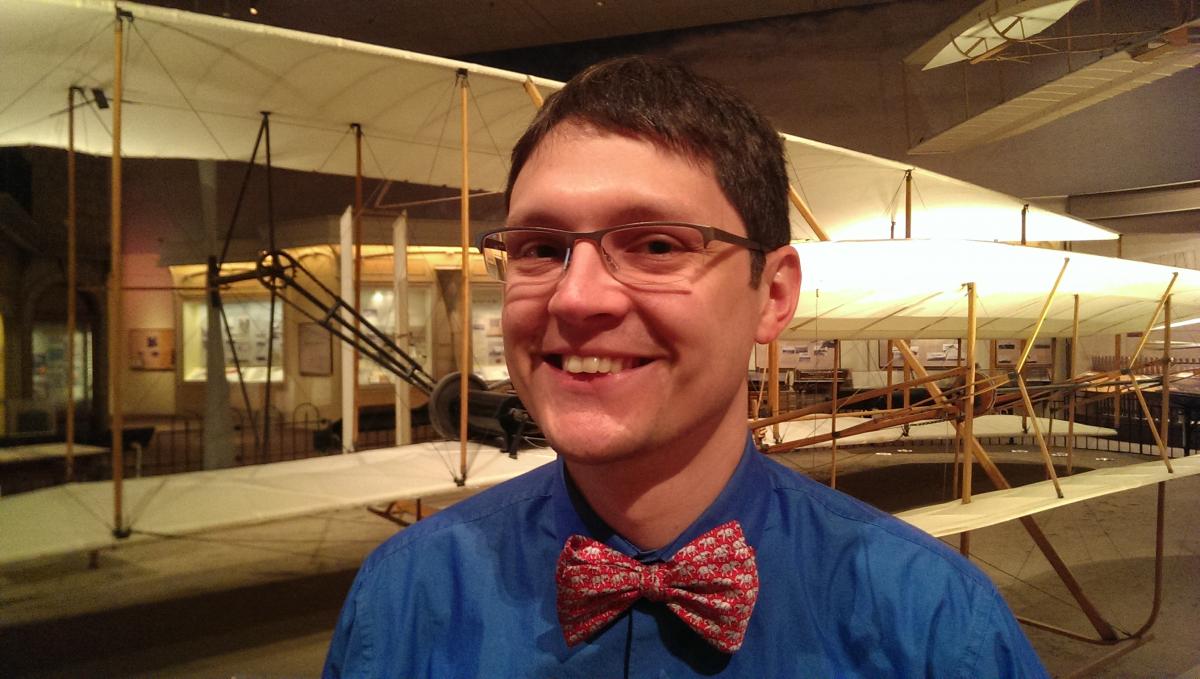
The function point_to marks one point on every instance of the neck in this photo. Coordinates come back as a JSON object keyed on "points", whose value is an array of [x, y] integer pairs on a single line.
{"points": [[652, 497]]}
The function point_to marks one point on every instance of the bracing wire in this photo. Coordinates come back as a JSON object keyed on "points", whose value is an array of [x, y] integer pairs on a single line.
{"points": [[894, 204], [442, 133], [917, 190], [237, 364], [237, 206], [796, 181], [1041, 590], [171, 77], [487, 128], [333, 150], [79, 50]]}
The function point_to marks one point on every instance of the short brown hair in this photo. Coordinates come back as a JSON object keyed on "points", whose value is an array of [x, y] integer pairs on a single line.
{"points": [[670, 106]]}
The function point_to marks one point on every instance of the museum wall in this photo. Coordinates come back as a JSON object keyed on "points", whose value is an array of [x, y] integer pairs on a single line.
{"points": [[836, 77], [1176, 250], [832, 76]]}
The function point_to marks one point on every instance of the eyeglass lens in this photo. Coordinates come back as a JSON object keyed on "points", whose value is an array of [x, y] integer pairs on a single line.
{"points": [[649, 254]]}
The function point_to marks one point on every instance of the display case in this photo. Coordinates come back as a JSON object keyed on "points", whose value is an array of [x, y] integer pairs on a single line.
{"points": [[935, 354], [487, 336], [249, 325], [50, 363], [378, 305]]}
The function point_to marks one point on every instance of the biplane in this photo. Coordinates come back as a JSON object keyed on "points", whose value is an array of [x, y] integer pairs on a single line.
{"points": [[129, 80], [201, 87], [1106, 54]]}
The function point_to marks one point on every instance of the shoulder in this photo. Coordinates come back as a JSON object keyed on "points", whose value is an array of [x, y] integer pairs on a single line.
{"points": [[495, 510], [817, 509], [876, 573], [441, 571], [500, 504]]}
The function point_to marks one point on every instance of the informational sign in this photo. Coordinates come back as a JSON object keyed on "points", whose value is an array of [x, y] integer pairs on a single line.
{"points": [[152, 349]]}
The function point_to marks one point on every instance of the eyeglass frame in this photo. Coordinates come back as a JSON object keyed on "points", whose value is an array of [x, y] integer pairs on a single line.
{"points": [[709, 233]]}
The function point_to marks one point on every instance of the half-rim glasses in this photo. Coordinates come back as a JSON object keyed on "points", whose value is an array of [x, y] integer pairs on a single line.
{"points": [[645, 253]]}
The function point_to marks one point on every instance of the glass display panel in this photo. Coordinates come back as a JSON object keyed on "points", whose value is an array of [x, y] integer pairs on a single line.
{"points": [[487, 338], [50, 363], [378, 306], [248, 327]]}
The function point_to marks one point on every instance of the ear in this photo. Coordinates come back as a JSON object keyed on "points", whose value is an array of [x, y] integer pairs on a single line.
{"points": [[780, 290]]}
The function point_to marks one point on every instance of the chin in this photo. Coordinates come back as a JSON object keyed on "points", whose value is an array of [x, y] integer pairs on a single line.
{"points": [[589, 445]]}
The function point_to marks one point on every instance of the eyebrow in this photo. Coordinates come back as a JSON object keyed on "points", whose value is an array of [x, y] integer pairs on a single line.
{"points": [[630, 214]]}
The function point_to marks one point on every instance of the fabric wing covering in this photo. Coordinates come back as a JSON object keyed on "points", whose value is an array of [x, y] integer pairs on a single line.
{"points": [[76, 517], [989, 509], [1087, 86], [856, 196], [916, 288], [195, 87], [987, 27]]}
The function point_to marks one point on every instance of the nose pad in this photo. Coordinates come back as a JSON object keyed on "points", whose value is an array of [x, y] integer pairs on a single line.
{"points": [[587, 287], [609, 263]]}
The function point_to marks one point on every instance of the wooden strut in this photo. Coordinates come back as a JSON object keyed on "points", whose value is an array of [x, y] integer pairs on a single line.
{"points": [[1117, 392], [1041, 318], [1141, 635], [1102, 626], [890, 372], [1028, 403], [1037, 434], [1162, 301], [908, 203], [1117, 387], [72, 286], [266, 419], [1158, 440], [115, 363], [1073, 397], [837, 365], [358, 264], [893, 417], [968, 428], [1164, 421], [464, 370], [773, 381], [811, 220], [806, 213], [849, 400], [899, 418], [534, 94]]}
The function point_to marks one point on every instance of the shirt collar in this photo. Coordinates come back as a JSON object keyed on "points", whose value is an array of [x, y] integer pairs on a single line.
{"points": [[744, 498]]}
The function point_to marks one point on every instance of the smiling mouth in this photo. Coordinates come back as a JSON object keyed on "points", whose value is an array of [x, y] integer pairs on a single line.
{"points": [[611, 365]]}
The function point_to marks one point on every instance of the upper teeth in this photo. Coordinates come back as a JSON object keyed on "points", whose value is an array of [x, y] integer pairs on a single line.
{"points": [[595, 364]]}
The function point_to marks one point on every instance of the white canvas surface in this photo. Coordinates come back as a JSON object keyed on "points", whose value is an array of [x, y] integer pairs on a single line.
{"points": [[79, 516]]}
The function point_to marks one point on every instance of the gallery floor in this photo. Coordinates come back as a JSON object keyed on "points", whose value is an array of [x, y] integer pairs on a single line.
{"points": [[261, 601]]}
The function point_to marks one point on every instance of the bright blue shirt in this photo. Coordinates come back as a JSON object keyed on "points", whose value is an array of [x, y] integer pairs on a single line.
{"points": [[845, 591]]}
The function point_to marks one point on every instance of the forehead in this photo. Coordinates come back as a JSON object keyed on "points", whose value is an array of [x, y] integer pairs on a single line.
{"points": [[580, 176]]}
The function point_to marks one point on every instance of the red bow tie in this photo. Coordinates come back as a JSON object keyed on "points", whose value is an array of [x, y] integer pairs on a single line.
{"points": [[711, 584]]}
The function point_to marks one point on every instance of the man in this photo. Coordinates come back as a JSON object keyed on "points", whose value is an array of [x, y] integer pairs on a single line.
{"points": [[645, 253]]}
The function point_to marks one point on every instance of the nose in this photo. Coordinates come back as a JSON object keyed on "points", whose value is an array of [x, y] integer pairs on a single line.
{"points": [[587, 290]]}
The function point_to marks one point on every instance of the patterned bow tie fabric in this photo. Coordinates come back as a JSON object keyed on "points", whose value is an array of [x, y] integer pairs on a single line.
{"points": [[711, 584]]}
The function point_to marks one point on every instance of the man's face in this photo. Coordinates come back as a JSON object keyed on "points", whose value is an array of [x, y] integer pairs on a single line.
{"points": [[681, 351]]}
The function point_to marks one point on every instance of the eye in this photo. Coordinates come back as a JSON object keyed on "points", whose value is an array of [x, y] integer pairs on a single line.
{"points": [[656, 243], [534, 247]]}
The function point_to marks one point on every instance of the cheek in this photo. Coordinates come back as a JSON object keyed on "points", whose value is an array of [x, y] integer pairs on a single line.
{"points": [[523, 323], [522, 318]]}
